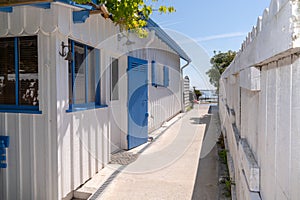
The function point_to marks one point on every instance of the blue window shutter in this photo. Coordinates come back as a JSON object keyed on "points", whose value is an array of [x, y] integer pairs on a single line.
{"points": [[153, 69], [166, 76]]}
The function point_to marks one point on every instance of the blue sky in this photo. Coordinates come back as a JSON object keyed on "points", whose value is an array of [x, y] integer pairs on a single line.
{"points": [[210, 25]]}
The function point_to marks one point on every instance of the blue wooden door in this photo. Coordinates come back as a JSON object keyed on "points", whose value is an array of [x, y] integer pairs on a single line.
{"points": [[137, 102]]}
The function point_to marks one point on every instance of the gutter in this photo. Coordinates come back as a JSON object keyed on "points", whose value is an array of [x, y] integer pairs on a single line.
{"points": [[184, 66], [182, 84]]}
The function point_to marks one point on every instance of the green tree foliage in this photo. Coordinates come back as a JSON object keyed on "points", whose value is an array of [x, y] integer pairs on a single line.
{"points": [[220, 61], [132, 14], [197, 93]]}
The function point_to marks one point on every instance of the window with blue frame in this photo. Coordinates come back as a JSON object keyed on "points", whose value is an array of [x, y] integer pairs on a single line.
{"points": [[160, 75], [19, 74], [84, 81]]}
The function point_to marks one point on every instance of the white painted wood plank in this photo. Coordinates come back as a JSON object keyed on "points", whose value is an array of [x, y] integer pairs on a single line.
{"points": [[4, 23], [283, 148], [269, 174], [295, 127], [13, 158], [17, 20], [32, 19]]}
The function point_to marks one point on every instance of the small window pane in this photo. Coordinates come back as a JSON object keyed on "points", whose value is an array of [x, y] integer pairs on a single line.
{"points": [[7, 71], [114, 79], [80, 73], [28, 71]]}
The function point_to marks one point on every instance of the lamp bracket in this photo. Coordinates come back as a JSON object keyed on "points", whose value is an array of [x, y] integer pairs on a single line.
{"points": [[63, 46]]}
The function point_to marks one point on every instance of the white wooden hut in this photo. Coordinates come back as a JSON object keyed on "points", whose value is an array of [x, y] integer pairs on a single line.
{"points": [[65, 117]]}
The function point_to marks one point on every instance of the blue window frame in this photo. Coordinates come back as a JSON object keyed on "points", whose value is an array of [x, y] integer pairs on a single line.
{"points": [[160, 75], [84, 79], [19, 75]]}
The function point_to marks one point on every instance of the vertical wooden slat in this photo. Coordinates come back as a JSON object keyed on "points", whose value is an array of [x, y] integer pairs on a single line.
{"points": [[284, 129], [271, 131], [295, 127]]}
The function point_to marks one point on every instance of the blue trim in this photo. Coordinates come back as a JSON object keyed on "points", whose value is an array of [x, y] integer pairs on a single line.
{"points": [[3, 165], [83, 107], [2, 150], [6, 9], [14, 107], [87, 7], [72, 3], [9, 9], [86, 73], [64, 1], [2, 158], [80, 16], [16, 47], [5, 141], [21, 111], [42, 5]]}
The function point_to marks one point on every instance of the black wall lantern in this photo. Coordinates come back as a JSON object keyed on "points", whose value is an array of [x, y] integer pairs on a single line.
{"points": [[68, 56]]}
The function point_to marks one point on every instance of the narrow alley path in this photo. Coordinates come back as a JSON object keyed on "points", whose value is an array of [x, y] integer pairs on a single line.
{"points": [[168, 167]]}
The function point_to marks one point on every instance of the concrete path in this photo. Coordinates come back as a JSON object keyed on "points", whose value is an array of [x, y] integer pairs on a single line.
{"points": [[166, 168]]}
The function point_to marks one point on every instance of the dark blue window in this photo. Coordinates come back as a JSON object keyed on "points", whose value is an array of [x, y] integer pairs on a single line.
{"points": [[19, 74], [84, 79]]}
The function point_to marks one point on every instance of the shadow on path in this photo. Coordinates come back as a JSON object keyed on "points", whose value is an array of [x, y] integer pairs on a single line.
{"points": [[206, 183]]}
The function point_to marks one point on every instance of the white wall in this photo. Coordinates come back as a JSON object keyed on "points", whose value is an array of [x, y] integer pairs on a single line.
{"points": [[32, 154], [262, 87]]}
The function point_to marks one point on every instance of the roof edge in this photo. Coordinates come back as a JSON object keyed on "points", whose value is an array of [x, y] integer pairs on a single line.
{"points": [[151, 25]]}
